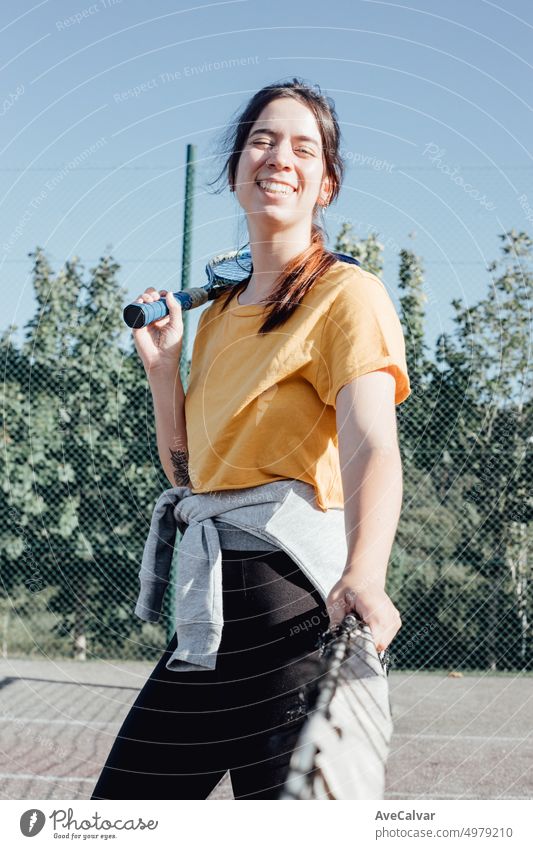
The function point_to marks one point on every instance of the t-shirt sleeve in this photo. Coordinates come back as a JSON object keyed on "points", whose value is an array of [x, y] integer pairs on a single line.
{"points": [[361, 333]]}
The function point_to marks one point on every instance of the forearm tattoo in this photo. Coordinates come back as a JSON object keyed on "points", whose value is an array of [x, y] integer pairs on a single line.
{"points": [[180, 464]]}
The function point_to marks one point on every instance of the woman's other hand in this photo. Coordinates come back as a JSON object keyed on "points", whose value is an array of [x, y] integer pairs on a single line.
{"points": [[371, 603]]}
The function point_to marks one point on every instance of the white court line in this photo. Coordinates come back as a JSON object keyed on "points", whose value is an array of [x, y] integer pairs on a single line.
{"points": [[26, 721], [60, 778], [392, 795], [46, 777], [458, 737]]}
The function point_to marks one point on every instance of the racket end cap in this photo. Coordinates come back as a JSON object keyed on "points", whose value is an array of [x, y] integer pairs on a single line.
{"points": [[134, 316]]}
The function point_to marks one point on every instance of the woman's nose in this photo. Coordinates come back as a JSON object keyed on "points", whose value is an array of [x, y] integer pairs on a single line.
{"points": [[279, 155]]}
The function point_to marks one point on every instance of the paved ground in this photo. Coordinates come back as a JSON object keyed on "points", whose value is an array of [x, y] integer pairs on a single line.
{"points": [[469, 737]]}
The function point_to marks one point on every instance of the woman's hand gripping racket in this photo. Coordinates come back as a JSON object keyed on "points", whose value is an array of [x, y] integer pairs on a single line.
{"points": [[156, 317], [223, 271]]}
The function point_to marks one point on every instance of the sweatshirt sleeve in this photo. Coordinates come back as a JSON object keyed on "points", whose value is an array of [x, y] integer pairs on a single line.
{"points": [[361, 333]]}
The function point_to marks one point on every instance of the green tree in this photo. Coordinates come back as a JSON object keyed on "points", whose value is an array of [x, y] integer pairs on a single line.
{"points": [[368, 251], [77, 471], [486, 390]]}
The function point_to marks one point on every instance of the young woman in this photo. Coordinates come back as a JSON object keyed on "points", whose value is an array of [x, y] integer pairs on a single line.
{"points": [[287, 473]]}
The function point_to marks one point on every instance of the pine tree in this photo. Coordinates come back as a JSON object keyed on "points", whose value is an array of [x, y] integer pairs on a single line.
{"points": [[487, 393]]}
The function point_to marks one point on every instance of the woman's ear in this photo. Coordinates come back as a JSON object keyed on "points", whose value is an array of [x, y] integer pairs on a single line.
{"points": [[325, 192]]}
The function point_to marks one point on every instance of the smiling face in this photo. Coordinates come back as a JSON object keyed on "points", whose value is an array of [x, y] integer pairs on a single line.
{"points": [[283, 146]]}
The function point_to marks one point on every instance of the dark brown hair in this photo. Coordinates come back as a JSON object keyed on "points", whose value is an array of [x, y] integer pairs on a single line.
{"points": [[303, 270]]}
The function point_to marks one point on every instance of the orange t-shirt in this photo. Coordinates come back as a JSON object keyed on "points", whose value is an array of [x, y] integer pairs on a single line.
{"points": [[261, 408]]}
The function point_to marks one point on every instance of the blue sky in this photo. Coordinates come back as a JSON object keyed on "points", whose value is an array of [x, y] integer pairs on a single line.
{"points": [[99, 101]]}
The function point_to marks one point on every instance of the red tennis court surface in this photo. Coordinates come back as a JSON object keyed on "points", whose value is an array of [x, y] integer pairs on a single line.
{"points": [[455, 738]]}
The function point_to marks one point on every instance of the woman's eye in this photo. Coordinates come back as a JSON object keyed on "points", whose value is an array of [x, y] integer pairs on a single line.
{"points": [[269, 144]]}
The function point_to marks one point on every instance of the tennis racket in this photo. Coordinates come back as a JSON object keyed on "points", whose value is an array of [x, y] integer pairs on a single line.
{"points": [[222, 271], [343, 745]]}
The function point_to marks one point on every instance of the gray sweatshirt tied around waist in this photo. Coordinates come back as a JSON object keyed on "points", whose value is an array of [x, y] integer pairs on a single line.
{"points": [[282, 514]]}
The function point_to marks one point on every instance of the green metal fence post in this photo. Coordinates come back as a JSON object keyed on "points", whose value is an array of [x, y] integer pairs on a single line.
{"points": [[184, 361], [186, 252]]}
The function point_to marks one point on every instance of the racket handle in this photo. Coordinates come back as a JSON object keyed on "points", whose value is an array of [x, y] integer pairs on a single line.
{"points": [[139, 315]]}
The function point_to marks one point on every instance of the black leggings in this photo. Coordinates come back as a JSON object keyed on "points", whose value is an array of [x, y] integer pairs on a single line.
{"points": [[186, 729]]}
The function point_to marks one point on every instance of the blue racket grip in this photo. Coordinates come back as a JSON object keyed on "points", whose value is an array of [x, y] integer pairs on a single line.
{"points": [[139, 315]]}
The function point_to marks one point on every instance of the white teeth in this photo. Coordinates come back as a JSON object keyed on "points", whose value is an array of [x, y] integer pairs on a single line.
{"points": [[276, 187]]}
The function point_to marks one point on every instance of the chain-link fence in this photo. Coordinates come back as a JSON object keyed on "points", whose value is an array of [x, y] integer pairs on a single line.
{"points": [[82, 472]]}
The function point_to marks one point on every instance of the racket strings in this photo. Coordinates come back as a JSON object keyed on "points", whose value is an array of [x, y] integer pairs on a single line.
{"points": [[232, 267], [347, 679], [344, 743], [368, 710]]}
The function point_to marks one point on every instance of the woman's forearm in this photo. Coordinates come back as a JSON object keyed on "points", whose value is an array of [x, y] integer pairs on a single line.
{"points": [[373, 489], [371, 471], [169, 408]]}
